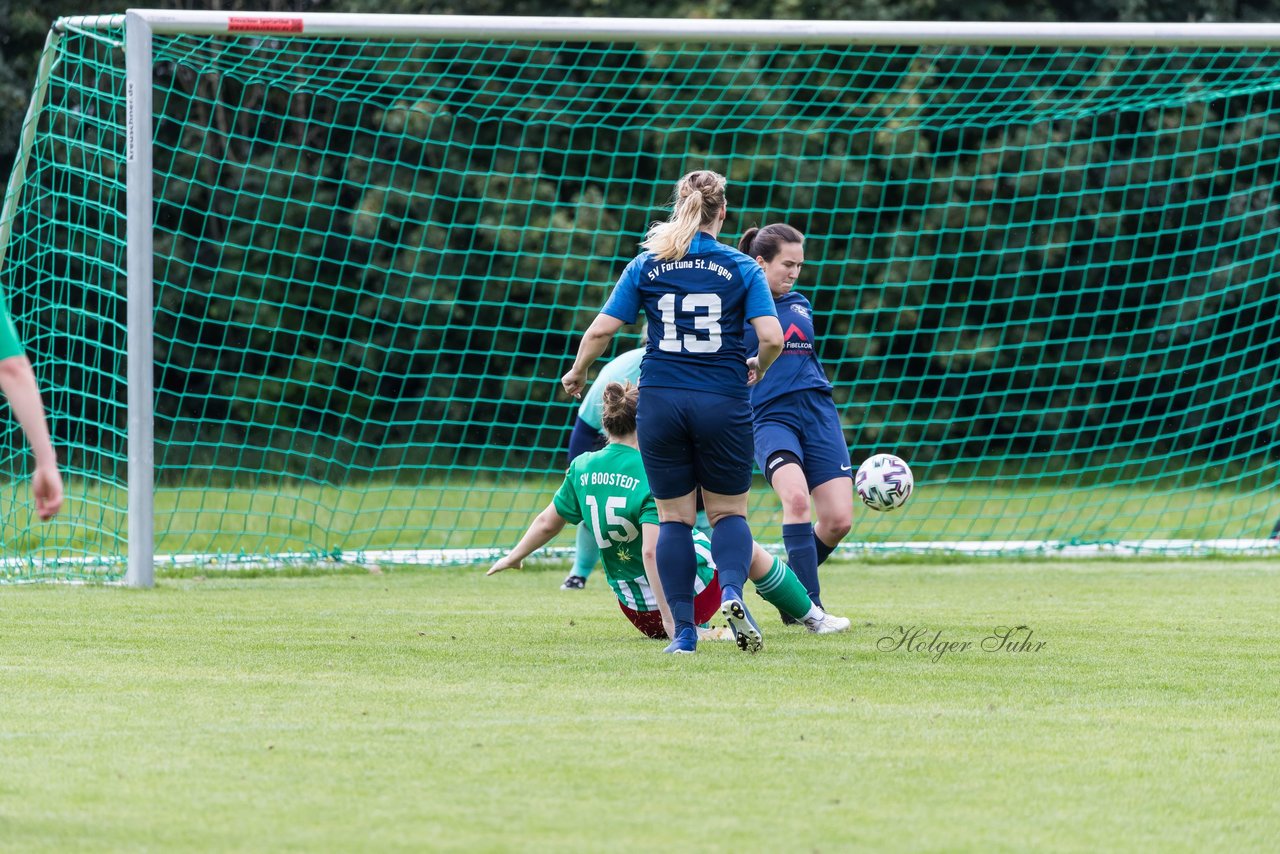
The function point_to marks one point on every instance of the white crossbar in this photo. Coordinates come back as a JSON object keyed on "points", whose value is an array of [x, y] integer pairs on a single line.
{"points": [[1000, 33]]}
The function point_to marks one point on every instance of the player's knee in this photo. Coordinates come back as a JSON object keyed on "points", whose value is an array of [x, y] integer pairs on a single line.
{"points": [[683, 510], [834, 529], [723, 506], [714, 517], [795, 504], [678, 516]]}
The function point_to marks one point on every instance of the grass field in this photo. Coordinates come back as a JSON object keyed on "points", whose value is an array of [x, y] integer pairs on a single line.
{"points": [[441, 710]]}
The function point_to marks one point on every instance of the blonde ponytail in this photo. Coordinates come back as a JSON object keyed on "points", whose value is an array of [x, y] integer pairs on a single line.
{"points": [[698, 199]]}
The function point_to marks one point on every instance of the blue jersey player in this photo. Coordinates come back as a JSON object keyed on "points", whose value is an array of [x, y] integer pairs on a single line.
{"points": [[694, 420], [799, 442]]}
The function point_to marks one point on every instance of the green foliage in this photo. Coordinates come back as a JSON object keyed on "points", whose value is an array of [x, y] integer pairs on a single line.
{"points": [[988, 257], [23, 24]]}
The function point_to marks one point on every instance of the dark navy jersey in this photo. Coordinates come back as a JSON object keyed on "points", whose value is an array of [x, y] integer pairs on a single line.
{"points": [[697, 308], [798, 367]]}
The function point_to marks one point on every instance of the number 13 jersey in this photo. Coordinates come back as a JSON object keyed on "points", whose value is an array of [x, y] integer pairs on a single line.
{"points": [[697, 308]]}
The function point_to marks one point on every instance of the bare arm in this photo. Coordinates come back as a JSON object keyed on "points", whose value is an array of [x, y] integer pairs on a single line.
{"points": [[18, 382], [545, 526], [649, 553], [594, 342], [769, 331]]}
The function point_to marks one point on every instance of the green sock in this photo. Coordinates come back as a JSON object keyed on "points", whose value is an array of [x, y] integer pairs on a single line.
{"points": [[781, 589]]}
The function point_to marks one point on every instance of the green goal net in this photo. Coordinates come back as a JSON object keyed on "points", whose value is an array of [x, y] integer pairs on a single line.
{"points": [[1044, 276]]}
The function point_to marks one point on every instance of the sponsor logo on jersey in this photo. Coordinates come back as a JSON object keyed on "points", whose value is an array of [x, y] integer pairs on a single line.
{"points": [[801, 346]]}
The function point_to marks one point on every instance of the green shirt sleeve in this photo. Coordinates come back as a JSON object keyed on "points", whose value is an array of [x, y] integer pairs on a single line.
{"points": [[566, 500], [649, 511], [10, 343]]}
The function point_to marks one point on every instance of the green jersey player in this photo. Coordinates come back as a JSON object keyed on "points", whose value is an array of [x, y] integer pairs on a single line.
{"points": [[608, 491], [588, 435], [605, 491]]}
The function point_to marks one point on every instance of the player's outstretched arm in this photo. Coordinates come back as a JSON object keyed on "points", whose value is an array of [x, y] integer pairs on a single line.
{"points": [[594, 342], [545, 526], [649, 554], [18, 382]]}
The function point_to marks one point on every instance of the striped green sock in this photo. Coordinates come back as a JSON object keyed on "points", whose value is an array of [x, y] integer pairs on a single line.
{"points": [[781, 589]]}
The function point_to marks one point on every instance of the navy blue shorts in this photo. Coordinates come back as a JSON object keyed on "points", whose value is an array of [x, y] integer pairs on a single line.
{"points": [[806, 424], [694, 438]]}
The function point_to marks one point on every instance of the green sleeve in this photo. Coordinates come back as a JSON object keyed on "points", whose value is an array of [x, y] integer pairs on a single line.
{"points": [[566, 500], [649, 511], [10, 344]]}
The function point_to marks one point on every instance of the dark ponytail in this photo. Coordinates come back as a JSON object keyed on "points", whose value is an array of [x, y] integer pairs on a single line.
{"points": [[766, 242]]}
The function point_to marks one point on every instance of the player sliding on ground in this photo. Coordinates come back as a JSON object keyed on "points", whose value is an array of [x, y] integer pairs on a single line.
{"points": [[608, 490], [588, 435]]}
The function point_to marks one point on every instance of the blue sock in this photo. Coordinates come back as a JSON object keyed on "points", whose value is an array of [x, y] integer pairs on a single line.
{"points": [[802, 555], [731, 547], [588, 552], [678, 568], [824, 550]]}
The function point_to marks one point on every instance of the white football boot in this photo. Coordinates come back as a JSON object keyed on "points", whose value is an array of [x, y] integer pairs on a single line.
{"points": [[827, 624]]}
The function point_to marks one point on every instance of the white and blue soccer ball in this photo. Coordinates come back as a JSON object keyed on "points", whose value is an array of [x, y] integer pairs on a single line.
{"points": [[884, 482]]}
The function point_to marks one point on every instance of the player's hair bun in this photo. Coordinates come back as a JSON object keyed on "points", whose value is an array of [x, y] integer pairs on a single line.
{"points": [[619, 414]]}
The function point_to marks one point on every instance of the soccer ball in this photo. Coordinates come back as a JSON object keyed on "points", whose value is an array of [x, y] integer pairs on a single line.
{"points": [[884, 482]]}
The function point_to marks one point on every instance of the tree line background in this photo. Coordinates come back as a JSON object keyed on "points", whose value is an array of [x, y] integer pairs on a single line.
{"points": [[1149, 326], [25, 23]]}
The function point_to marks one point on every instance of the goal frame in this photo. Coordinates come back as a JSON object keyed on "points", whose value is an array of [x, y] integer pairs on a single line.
{"points": [[142, 25]]}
